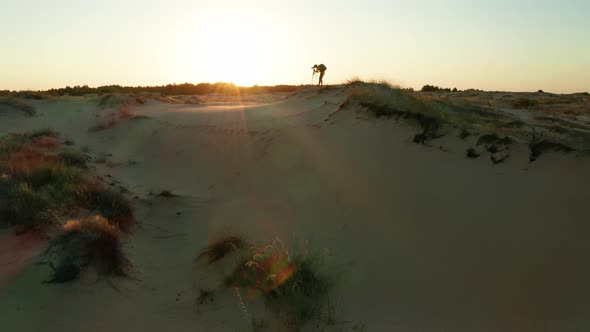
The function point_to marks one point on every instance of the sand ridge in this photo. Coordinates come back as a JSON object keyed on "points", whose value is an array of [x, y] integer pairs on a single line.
{"points": [[423, 237]]}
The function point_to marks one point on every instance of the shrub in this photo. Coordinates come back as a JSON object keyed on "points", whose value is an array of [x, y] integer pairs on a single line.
{"points": [[26, 208], [293, 286], [74, 158], [35, 199], [111, 204], [220, 248], [90, 242], [301, 295]]}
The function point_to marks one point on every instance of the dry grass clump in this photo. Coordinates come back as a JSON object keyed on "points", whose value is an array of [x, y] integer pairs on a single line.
{"points": [[83, 243], [43, 184], [294, 285], [220, 248]]}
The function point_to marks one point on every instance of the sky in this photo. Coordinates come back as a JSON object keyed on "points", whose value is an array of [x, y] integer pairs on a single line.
{"points": [[491, 45]]}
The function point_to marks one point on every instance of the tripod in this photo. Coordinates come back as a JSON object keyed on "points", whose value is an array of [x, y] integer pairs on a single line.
{"points": [[312, 76]]}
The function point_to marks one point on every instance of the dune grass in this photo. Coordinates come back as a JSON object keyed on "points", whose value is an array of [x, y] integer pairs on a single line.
{"points": [[18, 104], [294, 285], [436, 117], [83, 243], [42, 184], [74, 158], [220, 248]]}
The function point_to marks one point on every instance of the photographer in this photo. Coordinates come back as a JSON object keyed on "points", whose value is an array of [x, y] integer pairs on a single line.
{"points": [[320, 69]]}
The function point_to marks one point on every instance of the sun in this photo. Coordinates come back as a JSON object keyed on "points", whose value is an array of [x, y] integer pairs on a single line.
{"points": [[231, 48]]}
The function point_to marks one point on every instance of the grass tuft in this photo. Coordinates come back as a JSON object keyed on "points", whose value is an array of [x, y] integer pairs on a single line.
{"points": [[90, 242], [45, 132], [74, 158], [220, 248], [294, 286]]}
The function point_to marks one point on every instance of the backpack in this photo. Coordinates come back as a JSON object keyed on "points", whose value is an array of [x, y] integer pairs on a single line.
{"points": [[321, 67]]}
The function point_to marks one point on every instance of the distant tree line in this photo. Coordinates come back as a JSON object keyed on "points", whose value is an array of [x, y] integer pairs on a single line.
{"points": [[170, 89], [434, 88]]}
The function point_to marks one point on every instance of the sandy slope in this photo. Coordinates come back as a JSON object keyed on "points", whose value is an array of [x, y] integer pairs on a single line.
{"points": [[423, 238]]}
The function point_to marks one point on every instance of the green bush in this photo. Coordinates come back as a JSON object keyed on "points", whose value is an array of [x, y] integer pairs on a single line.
{"points": [[294, 286]]}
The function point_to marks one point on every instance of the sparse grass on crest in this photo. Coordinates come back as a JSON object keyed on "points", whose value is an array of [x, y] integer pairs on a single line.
{"points": [[18, 104], [434, 115]]}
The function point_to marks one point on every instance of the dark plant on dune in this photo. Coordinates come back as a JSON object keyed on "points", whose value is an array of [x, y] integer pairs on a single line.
{"points": [[464, 134], [18, 104], [74, 158], [47, 132], [472, 153], [40, 185], [301, 296], [167, 194], [37, 187], [90, 242], [539, 147], [494, 139], [524, 103], [221, 247], [294, 286], [111, 204]]}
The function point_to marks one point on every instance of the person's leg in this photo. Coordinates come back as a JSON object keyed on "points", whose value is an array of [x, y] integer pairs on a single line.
{"points": [[321, 78]]}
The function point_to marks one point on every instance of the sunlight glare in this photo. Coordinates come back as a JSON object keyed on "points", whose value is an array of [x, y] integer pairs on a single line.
{"points": [[231, 49]]}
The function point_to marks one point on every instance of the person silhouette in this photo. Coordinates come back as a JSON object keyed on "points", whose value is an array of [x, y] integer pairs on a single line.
{"points": [[320, 69]]}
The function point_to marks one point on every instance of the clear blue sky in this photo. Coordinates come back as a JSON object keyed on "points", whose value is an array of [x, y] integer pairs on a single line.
{"points": [[494, 45]]}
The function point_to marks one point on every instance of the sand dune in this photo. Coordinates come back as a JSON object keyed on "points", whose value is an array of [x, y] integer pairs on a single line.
{"points": [[421, 237]]}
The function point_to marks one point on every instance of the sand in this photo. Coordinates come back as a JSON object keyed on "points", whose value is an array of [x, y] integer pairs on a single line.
{"points": [[421, 237]]}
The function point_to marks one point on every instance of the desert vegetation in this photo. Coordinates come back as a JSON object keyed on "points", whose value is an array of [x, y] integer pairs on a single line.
{"points": [[47, 188], [293, 284], [435, 116], [17, 104]]}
